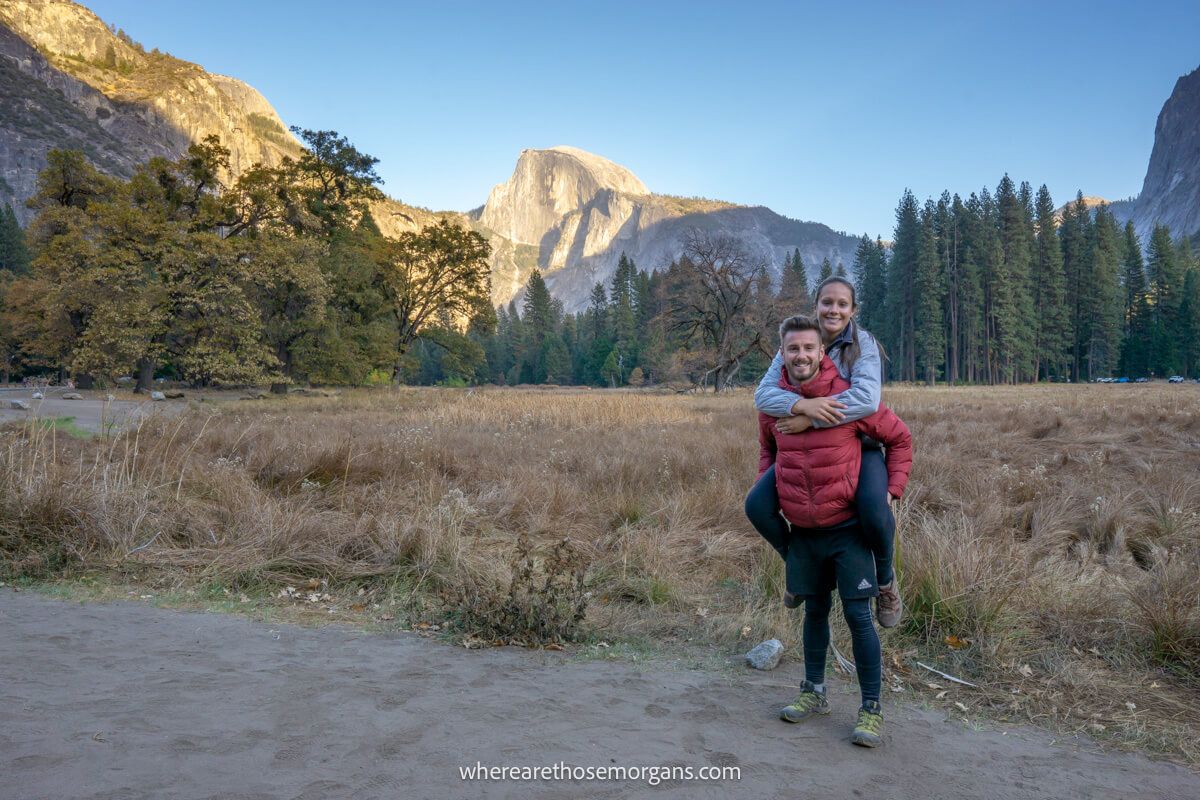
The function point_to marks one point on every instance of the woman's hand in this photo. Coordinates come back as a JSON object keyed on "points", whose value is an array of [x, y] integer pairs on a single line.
{"points": [[819, 409], [793, 424]]}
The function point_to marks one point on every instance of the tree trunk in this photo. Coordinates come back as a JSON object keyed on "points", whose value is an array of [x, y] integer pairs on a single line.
{"points": [[145, 376], [84, 380]]}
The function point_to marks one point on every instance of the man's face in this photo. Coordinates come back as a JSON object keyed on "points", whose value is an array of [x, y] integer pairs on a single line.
{"points": [[802, 352]]}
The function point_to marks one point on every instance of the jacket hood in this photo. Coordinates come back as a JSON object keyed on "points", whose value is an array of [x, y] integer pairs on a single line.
{"points": [[820, 386]]}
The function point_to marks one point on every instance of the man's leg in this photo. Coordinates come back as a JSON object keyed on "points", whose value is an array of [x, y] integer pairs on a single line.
{"points": [[811, 699], [762, 509], [868, 662], [879, 531]]}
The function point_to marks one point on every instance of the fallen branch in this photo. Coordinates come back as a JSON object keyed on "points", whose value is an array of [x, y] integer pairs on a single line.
{"points": [[947, 676]]}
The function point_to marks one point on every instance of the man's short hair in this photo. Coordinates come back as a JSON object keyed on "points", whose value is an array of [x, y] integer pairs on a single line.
{"points": [[800, 322]]}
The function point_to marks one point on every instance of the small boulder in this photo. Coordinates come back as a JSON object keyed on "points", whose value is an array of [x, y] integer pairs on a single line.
{"points": [[18, 405], [72, 396], [39, 396], [157, 396], [172, 394], [765, 655], [124, 379]]}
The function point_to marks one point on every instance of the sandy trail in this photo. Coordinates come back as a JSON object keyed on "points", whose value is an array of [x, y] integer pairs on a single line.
{"points": [[129, 701]]}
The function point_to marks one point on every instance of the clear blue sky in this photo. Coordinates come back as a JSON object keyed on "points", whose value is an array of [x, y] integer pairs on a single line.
{"points": [[822, 111]]}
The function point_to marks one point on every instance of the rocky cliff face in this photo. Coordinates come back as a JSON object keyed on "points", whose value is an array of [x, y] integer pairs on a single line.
{"points": [[69, 81], [1171, 190], [571, 214]]}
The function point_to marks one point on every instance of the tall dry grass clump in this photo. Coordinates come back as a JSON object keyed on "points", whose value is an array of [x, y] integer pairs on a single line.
{"points": [[1049, 544]]}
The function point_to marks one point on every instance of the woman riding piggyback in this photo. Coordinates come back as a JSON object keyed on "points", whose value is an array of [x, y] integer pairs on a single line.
{"points": [[858, 359]]}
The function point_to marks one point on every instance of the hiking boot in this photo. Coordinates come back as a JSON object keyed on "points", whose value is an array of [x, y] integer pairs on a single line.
{"points": [[868, 732], [888, 606], [807, 703], [790, 600]]}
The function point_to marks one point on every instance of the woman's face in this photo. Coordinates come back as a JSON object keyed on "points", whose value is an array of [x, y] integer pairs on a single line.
{"points": [[835, 308]]}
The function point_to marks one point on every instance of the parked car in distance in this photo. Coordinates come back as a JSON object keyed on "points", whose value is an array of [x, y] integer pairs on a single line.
{"points": [[1175, 379], [1120, 380]]}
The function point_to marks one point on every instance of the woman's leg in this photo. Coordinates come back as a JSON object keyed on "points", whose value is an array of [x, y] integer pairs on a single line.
{"points": [[874, 513], [762, 509], [868, 655]]}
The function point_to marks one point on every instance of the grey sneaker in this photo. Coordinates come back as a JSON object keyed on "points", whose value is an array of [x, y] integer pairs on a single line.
{"points": [[888, 606], [807, 703]]}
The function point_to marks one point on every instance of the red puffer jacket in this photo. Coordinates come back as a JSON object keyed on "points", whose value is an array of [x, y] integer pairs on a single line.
{"points": [[816, 471]]}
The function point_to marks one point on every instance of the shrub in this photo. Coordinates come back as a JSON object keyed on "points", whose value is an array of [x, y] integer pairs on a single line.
{"points": [[544, 601]]}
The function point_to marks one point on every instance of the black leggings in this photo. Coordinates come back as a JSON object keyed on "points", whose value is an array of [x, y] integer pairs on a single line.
{"points": [[868, 658], [874, 513]]}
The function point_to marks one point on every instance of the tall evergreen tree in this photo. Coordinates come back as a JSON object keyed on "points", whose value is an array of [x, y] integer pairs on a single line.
{"points": [[1075, 233], [826, 271], [901, 273], [1190, 322], [793, 287], [870, 265], [14, 255], [1103, 302], [1166, 285], [1048, 282], [929, 334]]}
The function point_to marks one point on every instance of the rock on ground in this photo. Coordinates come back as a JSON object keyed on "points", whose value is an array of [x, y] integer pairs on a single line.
{"points": [[765, 655]]}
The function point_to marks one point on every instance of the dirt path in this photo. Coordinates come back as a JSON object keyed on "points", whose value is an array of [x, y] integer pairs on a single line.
{"points": [[130, 701]]}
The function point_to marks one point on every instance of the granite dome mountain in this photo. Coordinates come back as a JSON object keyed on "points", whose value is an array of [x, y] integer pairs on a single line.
{"points": [[69, 80]]}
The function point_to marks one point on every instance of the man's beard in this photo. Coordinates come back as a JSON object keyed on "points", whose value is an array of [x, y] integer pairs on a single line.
{"points": [[797, 378]]}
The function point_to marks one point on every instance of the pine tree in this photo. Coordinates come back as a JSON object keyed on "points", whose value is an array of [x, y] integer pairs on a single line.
{"points": [[929, 334], [840, 272], [870, 276], [1135, 352], [539, 315], [14, 255], [1190, 322], [901, 273], [1051, 329], [793, 295], [1165, 299], [1012, 315], [826, 271], [1104, 296], [1075, 233]]}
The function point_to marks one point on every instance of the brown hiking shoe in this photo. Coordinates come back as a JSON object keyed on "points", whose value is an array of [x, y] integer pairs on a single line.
{"points": [[888, 606], [790, 600]]}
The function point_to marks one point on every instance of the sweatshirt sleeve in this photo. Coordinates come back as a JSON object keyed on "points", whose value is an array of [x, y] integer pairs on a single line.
{"points": [[866, 382], [766, 443], [884, 426], [768, 397]]}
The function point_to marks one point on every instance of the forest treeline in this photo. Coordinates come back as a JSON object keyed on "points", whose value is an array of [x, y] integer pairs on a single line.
{"points": [[282, 277], [999, 288]]}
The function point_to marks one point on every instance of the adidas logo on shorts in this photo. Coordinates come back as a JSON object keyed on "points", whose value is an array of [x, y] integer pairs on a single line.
{"points": [[866, 584]]}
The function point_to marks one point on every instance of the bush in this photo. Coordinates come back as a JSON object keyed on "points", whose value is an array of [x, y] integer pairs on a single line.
{"points": [[544, 601]]}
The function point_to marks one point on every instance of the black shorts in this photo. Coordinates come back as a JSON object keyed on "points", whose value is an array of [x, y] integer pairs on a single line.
{"points": [[819, 559]]}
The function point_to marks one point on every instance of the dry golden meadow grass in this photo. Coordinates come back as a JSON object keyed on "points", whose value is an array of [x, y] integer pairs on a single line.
{"points": [[1049, 542]]}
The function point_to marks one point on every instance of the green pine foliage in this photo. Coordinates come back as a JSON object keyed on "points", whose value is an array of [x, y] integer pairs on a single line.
{"points": [[14, 255]]}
